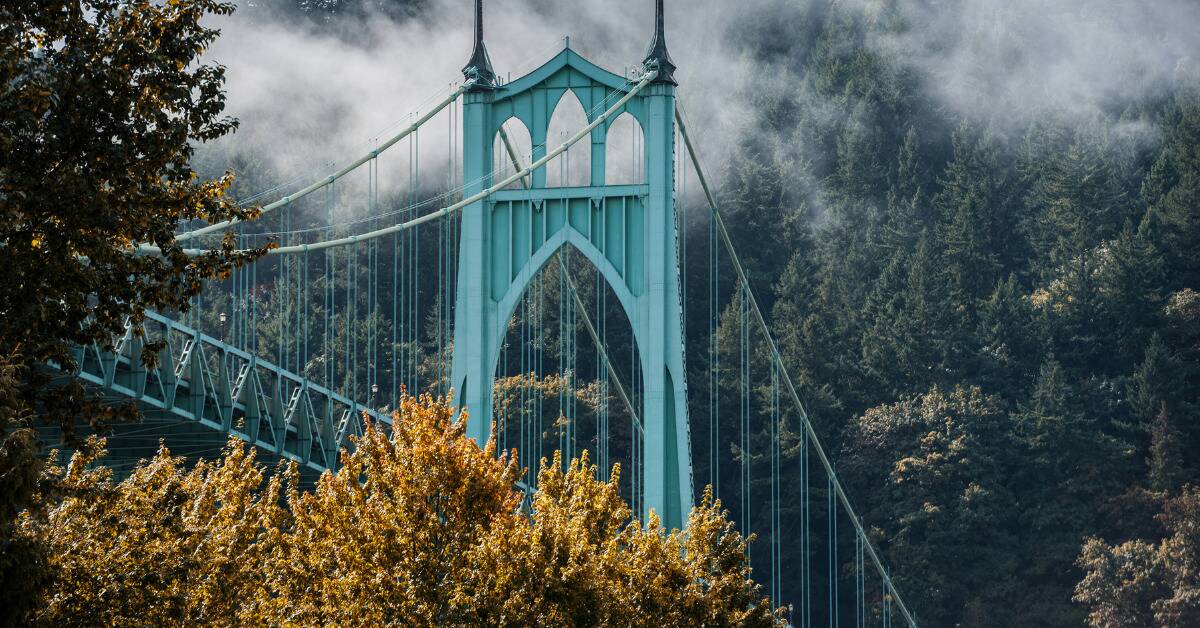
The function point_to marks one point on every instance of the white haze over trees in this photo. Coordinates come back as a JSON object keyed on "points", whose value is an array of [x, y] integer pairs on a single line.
{"points": [[308, 92]]}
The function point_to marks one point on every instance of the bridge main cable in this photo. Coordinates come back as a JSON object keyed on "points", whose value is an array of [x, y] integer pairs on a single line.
{"points": [[445, 211], [329, 180], [777, 358]]}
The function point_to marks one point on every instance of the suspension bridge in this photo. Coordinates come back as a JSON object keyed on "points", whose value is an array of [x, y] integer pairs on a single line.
{"points": [[543, 281]]}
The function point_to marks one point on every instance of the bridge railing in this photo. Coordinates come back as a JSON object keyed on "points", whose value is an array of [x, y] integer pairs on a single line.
{"points": [[204, 380]]}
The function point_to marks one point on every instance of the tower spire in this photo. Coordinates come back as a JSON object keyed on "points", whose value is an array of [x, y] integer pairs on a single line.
{"points": [[658, 55], [480, 65]]}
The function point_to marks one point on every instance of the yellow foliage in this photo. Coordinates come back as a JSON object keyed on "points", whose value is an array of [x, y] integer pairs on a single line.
{"points": [[387, 538], [419, 527], [165, 546]]}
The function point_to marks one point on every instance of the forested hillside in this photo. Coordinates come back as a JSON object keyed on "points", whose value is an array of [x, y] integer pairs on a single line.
{"points": [[997, 324], [992, 311]]}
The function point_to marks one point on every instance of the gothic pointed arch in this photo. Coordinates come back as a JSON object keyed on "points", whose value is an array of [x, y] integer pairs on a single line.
{"points": [[512, 149], [624, 152], [573, 168]]}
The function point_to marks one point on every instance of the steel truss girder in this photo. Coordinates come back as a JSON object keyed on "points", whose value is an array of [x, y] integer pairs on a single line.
{"points": [[203, 380]]}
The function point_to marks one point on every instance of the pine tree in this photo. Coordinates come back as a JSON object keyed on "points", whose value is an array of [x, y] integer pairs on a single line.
{"points": [[1007, 341], [1131, 283], [1071, 467], [908, 216], [1074, 200], [1166, 453], [974, 217], [906, 347], [805, 335], [1172, 189], [1155, 382]]}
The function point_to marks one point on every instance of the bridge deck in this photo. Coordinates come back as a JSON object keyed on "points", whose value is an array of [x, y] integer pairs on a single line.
{"points": [[202, 390]]}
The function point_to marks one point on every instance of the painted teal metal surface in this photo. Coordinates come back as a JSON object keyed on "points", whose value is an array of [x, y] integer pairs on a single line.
{"points": [[204, 381], [626, 231]]}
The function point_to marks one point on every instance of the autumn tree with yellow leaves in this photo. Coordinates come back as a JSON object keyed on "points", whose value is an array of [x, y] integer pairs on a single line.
{"points": [[419, 527]]}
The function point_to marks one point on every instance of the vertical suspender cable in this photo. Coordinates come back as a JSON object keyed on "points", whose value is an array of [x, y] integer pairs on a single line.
{"points": [[600, 379], [415, 318], [407, 272], [297, 302], [714, 391], [327, 303], [635, 447], [805, 536], [527, 376], [574, 327], [307, 316], [239, 299], [372, 282], [281, 289], [447, 290], [562, 372], [773, 431], [351, 370], [887, 603], [241, 278], [525, 371], [442, 245], [860, 593], [833, 554], [253, 310], [604, 429], [394, 401], [540, 359], [355, 320], [569, 361], [744, 410], [602, 375]]}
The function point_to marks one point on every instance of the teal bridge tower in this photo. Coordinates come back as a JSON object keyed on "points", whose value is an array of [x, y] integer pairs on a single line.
{"points": [[628, 232]]}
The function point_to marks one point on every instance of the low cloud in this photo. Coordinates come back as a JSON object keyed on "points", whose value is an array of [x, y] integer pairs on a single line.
{"points": [[1009, 60], [308, 95]]}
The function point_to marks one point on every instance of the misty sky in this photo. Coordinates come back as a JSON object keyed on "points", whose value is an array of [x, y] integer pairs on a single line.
{"points": [[310, 96]]}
